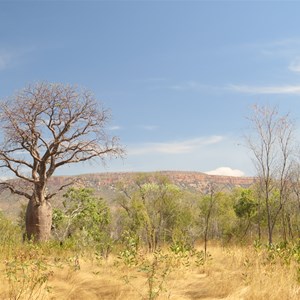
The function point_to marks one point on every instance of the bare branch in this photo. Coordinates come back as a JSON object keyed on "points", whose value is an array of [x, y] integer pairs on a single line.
{"points": [[49, 196], [272, 147], [53, 125], [13, 189]]}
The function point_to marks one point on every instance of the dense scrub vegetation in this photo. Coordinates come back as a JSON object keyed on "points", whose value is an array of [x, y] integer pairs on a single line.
{"points": [[155, 242], [152, 213]]}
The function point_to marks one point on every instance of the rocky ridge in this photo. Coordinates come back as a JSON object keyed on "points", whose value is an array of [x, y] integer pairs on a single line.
{"points": [[105, 185]]}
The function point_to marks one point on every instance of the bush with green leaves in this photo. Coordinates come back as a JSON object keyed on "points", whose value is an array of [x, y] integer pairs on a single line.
{"points": [[245, 209], [10, 235], [156, 211], [27, 272], [84, 218]]}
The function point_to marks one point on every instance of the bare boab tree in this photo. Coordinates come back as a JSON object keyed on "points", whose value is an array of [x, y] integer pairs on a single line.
{"points": [[46, 126]]}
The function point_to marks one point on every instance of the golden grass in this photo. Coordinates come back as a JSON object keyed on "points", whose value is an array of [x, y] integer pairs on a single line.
{"points": [[232, 273]]}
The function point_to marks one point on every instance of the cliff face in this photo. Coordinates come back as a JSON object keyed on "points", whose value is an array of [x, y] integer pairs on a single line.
{"points": [[198, 180], [186, 180], [104, 185]]}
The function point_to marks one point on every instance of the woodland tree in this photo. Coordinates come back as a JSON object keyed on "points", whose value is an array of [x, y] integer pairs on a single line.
{"points": [[208, 206], [246, 209], [84, 217], [271, 144], [45, 127], [156, 212]]}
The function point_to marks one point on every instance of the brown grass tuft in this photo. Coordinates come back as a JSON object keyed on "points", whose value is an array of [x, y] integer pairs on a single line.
{"points": [[232, 273]]}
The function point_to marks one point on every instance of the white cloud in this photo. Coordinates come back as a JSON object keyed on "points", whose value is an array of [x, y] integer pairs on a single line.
{"points": [[248, 89], [116, 127], [226, 171], [190, 85], [150, 127], [5, 59], [175, 147], [13, 56], [152, 79], [213, 140], [193, 86], [200, 154], [295, 65], [283, 48]]}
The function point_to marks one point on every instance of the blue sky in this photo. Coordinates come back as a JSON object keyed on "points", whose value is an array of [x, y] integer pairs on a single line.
{"points": [[179, 76]]}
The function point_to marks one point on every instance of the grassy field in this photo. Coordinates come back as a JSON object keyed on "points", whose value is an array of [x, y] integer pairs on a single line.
{"points": [[33, 272]]}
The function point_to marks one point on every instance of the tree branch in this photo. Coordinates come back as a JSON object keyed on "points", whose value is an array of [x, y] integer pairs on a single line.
{"points": [[13, 189]]}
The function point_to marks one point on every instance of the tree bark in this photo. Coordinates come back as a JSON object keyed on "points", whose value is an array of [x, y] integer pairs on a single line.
{"points": [[38, 220]]}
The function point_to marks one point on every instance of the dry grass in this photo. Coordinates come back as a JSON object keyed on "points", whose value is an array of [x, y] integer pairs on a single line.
{"points": [[232, 273]]}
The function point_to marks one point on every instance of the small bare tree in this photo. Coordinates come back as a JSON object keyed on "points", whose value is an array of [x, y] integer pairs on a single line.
{"points": [[272, 147], [46, 126], [209, 207]]}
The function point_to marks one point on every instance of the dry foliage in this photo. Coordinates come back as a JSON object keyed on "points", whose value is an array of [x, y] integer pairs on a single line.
{"points": [[231, 273]]}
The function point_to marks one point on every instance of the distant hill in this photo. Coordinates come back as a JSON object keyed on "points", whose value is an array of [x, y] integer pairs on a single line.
{"points": [[105, 184], [186, 180]]}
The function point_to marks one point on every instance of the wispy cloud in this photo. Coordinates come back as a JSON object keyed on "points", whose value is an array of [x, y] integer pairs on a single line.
{"points": [[284, 48], [295, 65], [151, 80], [226, 171], [272, 89], [149, 127], [5, 59], [189, 85], [246, 89], [174, 147], [11, 57], [199, 154], [192, 86], [116, 127]]}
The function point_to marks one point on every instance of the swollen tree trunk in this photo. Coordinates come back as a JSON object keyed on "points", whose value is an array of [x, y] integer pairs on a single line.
{"points": [[38, 220]]}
